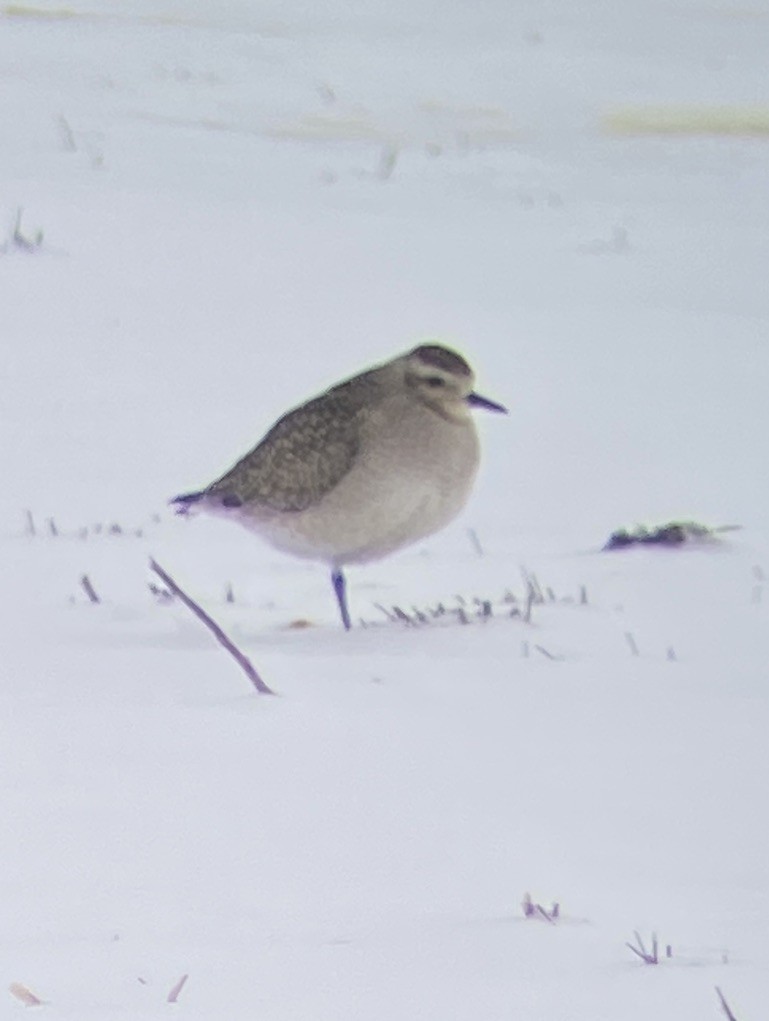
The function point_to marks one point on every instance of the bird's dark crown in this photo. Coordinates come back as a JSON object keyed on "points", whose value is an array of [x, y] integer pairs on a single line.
{"points": [[439, 357]]}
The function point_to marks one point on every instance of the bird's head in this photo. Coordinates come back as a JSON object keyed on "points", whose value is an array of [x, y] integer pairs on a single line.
{"points": [[442, 379]]}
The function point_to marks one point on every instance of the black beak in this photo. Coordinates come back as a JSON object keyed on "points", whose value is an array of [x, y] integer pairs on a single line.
{"points": [[476, 401]]}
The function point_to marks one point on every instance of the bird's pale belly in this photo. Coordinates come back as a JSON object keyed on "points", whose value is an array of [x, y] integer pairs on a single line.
{"points": [[373, 511]]}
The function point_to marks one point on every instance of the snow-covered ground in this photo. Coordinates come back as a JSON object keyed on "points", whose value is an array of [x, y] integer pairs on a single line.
{"points": [[241, 204]]}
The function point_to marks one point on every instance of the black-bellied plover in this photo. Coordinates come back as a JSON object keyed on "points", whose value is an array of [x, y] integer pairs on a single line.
{"points": [[376, 463]]}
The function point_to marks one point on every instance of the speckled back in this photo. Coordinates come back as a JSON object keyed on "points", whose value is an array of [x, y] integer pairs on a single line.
{"points": [[305, 454]]}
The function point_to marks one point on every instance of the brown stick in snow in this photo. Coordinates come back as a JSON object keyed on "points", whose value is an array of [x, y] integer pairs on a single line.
{"points": [[89, 590], [641, 951], [631, 643], [26, 996], [726, 1008], [173, 996], [245, 663], [545, 652]]}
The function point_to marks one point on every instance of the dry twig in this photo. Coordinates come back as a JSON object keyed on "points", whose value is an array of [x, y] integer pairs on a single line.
{"points": [[631, 643], [89, 590], [532, 910], [26, 996], [402, 615], [173, 996], [245, 663], [530, 597], [546, 653], [725, 1006], [386, 612], [475, 542], [648, 957]]}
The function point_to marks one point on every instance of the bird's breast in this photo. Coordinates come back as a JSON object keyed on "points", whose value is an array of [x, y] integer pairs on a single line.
{"points": [[406, 484]]}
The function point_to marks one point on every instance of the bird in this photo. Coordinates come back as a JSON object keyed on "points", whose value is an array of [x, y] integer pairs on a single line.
{"points": [[378, 462]]}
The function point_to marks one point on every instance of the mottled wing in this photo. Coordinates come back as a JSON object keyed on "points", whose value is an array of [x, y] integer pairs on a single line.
{"points": [[303, 456]]}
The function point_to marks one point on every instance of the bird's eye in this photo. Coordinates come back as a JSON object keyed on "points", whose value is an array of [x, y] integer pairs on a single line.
{"points": [[434, 382]]}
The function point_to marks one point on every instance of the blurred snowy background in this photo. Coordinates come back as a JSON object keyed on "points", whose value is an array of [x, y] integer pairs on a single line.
{"points": [[213, 211]]}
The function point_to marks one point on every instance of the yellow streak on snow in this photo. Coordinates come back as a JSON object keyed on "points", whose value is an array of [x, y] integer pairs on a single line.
{"points": [[24, 13], [336, 129], [745, 121], [44, 14]]}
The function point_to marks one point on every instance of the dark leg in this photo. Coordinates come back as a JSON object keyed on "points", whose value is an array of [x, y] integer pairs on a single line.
{"points": [[337, 580]]}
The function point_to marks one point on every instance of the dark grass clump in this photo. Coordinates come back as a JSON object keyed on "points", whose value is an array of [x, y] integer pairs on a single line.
{"points": [[671, 534], [465, 610], [652, 955]]}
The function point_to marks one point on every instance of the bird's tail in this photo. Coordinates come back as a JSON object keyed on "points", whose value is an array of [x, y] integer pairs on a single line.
{"points": [[184, 502]]}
